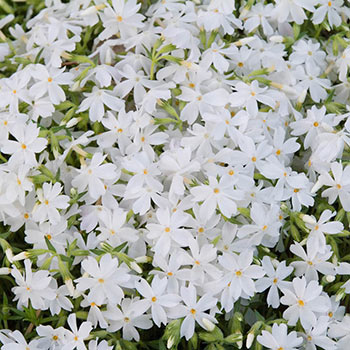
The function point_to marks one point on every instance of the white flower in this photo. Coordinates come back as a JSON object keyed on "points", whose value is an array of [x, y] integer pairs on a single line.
{"points": [[121, 17], [50, 338], [76, 337], [331, 9], [238, 277], [156, 299], [293, 10], [48, 81], [317, 336], [217, 194], [91, 176], [33, 286], [248, 96], [339, 185], [321, 227], [130, 317], [303, 301], [274, 280], [50, 200], [341, 331], [279, 338], [16, 341], [314, 261], [95, 101], [25, 147], [194, 311], [104, 279]]}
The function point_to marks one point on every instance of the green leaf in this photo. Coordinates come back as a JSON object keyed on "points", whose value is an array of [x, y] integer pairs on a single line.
{"points": [[49, 245]]}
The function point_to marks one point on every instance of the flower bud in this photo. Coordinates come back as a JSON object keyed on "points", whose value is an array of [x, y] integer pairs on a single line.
{"points": [[278, 39], [250, 339], [170, 342], [209, 326], [5, 270]]}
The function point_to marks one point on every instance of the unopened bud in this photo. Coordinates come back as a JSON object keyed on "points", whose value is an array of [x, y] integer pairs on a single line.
{"points": [[277, 39], [330, 278], [302, 97], [209, 326], [135, 267], [307, 219], [170, 342], [5, 270], [73, 122], [9, 255], [250, 339], [244, 41], [20, 256], [69, 284]]}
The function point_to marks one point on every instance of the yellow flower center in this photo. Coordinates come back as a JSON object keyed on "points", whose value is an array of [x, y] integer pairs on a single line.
{"points": [[301, 302], [154, 299], [216, 190], [193, 311], [238, 273]]}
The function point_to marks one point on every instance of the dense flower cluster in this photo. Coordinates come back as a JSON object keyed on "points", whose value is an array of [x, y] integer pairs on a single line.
{"points": [[175, 166]]}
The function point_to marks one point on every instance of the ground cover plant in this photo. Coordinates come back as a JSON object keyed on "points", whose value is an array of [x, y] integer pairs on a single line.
{"points": [[174, 174]]}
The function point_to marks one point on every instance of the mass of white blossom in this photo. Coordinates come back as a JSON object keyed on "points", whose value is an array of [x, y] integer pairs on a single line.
{"points": [[174, 174]]}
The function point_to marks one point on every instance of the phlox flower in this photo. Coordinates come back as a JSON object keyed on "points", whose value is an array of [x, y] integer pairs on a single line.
{"points": [[216, 194], [279, 338], [49, 81], [129, 317], [274, 280], [331, 9], [121, 17], [194, 311], [91, 176], [27, 144], [341, 332], [303, 300], [338, 183], [33, 287], [238, 277], [75, 337], [16, 341], [314, 261], [104, 279], [156, 298], [316, 337], [321, 227], [294, 10], [50, 201], [95, 101]]}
